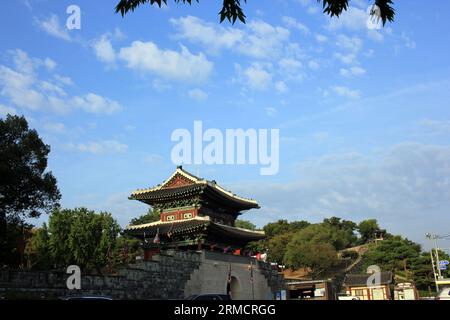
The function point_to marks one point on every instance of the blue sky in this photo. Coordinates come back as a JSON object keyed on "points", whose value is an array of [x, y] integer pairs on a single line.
{"points": [[363, 114]]}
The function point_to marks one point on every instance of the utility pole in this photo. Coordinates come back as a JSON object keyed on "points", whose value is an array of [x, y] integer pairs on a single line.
{"points": [[436, 266], [434, 270], [438, 263]]}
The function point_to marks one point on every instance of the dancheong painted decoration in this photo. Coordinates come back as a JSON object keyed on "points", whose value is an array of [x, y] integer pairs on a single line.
{"points": [[195, 213]]}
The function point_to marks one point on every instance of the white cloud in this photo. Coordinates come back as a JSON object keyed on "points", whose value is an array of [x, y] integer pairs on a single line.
{"points": [[63, 80], [99, 147], [104, 50], [290, 65], [25, 89], [291, 22], [94, 103], [313, 65], [56, 127], [346, 92], [375, 35], [409, 43], [346, 58], [353, 44], [281, 87], [263, 40], [291, 69], [353, 71], [5, 110], [255, 77], [147, 57], [50, 64], [406, 187], [271, 111], [354, 19], [311, 6], [53, 88], [435, 127], [209, 35], [198, 94], [321, 38], [52, 27], [257, 39], [18, 88]]}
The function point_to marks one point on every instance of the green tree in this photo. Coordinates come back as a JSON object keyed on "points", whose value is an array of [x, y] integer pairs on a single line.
{"points": [[126, 251], [282, 226], [367, 228], [60, 226], [92, 238], [26, 189], [395, 254], [244, 224], [277, 247], [345, 229], [82, 237], [422, 270], [150, 216], [232, 9], [37, 251], [274, 228], [317, 257], [325, 233]]}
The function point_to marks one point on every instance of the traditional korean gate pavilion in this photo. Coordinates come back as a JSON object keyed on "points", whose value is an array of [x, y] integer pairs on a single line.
{"points": [[194, 213]]}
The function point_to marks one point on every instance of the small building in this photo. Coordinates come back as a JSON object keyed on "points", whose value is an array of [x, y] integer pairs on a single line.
{"points": [[310, 290], [405, 291], [379, 235], [369, 286]]}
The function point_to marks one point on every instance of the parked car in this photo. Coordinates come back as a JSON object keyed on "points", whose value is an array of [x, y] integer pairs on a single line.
{"points": [[347, 297], [216, 297], [88, 298], [444, 294]]}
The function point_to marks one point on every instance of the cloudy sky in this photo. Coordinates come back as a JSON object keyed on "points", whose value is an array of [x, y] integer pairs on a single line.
{"points": [[363, 114]]}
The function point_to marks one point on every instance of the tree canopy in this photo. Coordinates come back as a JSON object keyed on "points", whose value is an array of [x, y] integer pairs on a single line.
{"points": [[232, 9], [26, 189], [367, 228], [244, 224], [79, 236], [405, 259], [150, 216], [317, 257]]}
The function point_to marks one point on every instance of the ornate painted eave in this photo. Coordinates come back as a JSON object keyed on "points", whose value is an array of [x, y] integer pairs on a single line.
{"points": [[182, 183], [193, 225]]}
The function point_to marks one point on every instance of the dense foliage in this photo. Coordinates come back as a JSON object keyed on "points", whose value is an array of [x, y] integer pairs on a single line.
{"points": [[26, 189], [78, 236], [150, 216], [405, 259], [232, 9]]}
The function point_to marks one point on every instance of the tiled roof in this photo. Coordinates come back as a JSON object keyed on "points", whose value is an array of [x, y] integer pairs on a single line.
{"points": [[192, 225], [355, 280], [196, 184]]}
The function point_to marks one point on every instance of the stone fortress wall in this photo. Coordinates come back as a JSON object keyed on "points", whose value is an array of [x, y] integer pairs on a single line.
{"points": [[169, 275]]}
